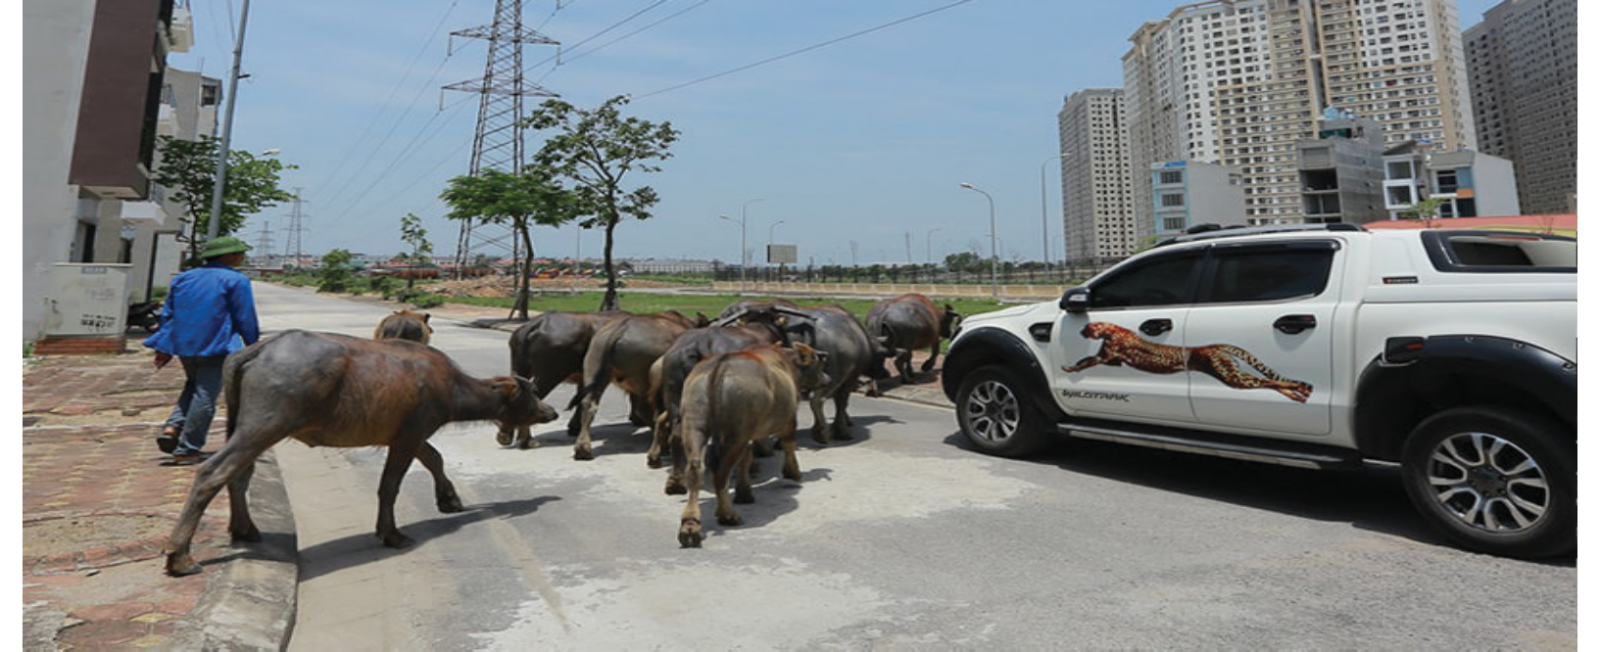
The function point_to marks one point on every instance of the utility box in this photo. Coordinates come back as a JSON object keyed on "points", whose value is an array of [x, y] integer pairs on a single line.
{"points": [[87, 299]]}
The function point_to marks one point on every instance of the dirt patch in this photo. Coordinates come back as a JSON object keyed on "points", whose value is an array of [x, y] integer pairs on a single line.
{"points": [[73, 533]]}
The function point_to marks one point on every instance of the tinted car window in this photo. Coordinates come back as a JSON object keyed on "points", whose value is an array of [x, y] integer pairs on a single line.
{"points": [[1268, 274], [1157, 282]]}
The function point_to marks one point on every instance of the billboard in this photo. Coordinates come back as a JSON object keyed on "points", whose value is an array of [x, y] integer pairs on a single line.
{"points": [[778, 254]]}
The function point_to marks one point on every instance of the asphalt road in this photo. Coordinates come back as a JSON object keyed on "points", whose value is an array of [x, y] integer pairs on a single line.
{"points": [[900, 539]]}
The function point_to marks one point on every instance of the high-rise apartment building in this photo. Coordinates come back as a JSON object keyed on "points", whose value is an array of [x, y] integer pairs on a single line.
{"points": [[1242, 82], [1097, 207], [1522, 61]]}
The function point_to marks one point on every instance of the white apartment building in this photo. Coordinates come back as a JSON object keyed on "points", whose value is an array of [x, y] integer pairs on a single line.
{"points": [[1242, 82], [1096, 199]]}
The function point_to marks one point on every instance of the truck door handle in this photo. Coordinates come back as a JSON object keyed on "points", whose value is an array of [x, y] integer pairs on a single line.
{"points": [[1295, 324], [1155, 327]]}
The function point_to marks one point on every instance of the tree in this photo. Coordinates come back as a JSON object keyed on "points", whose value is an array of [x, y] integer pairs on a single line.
{"points": [[497, 197], [412, 233], [1426, 210], [188, 170], [335, 275], [596, 149]]}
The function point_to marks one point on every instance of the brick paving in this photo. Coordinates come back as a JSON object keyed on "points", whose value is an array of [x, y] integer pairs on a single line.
{"points": [[97, 503]]}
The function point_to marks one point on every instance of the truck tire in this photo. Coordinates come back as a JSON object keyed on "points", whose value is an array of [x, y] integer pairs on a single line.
{"points": [[1496, 480], [997, 416]]}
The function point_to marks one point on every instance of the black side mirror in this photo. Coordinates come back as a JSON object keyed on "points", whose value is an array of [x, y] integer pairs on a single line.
{"points": [[1075, 300]]}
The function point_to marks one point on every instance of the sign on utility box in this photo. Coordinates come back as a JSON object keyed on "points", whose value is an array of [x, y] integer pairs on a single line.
{"points": [[87, 299]]}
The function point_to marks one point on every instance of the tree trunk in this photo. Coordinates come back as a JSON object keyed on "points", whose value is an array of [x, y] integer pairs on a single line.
{"points": [[519, 308], [610, 301]]}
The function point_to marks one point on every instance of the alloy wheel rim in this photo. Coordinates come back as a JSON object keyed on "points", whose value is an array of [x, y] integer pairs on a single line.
{"points": [[1488, 483], [992, 412]]}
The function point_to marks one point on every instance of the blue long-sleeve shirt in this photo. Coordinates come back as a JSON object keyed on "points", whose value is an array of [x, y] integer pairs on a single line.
{"points": [[209, 311]]}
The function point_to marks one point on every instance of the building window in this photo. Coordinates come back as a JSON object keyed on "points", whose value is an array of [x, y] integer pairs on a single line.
{"points": [[1171, 199], [1171, 176]]}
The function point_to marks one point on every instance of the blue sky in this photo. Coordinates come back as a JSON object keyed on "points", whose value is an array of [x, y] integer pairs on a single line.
{"points": [[857, 148]]}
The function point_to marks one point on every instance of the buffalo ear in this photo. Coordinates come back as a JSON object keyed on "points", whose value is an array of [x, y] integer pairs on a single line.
{"points": [[425, 317], [508, 386]]}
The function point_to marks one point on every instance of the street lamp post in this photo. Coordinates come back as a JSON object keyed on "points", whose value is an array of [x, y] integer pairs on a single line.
{"points": [[214, 226], [994, 255], [1044, 213], [741, 249]]}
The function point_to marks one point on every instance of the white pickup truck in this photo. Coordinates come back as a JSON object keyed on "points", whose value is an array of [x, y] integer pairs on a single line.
{"points": [[1452, 353]]}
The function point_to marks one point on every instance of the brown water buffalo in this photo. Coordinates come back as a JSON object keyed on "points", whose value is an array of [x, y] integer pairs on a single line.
{"points": [[622, 352], [726, 335], [325, 389], [404, 325], [548, 351], [729, 401], [909, 322], [850, 354]]}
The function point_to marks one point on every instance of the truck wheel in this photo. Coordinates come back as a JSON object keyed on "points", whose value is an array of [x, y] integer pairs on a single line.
{"points": [[996, 416], [1496, 480]]}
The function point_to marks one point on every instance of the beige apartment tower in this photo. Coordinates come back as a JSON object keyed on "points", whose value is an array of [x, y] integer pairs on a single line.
{"points": [[1241, 82], [1097, 208], [1523, 64]]}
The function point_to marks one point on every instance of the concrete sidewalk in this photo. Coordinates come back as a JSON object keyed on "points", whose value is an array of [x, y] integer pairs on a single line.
{"points": [[98, 504]]}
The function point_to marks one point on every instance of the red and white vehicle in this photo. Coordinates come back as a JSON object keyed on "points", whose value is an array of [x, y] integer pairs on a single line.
{"points": [[1452, 353]]}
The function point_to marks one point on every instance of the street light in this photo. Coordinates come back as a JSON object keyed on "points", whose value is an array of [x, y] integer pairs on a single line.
{"points": [[214, 226], [994, 256], [741, 249], [1044, 216]]}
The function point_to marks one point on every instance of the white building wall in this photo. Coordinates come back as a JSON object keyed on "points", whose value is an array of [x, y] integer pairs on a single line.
{"points": [[55, 45]]}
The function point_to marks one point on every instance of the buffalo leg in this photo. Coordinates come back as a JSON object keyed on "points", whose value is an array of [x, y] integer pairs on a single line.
{"points": [[902, 364], [583, 450], [933, 358], [791, 463], [819, 421], [444, 493], [210, 478], [719, 479], [690, 532], [640, 412], [401, 452], [682, 453], [240, 526], [841, 416]]}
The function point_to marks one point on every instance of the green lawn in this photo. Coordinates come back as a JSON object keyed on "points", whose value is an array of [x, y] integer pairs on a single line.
{"points": [[689, 304]]}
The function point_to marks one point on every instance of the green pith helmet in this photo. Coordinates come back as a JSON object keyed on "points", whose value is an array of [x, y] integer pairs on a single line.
{"points": [[223, 246]]}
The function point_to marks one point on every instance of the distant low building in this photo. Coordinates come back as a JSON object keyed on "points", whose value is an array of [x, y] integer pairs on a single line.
{"points": [[671, 266], [1471, 183], [1341, 171], [1188, 193]]}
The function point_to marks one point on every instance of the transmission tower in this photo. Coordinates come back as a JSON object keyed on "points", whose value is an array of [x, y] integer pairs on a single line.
{"points": [[291, 245], [497, 143], [264, 241]]}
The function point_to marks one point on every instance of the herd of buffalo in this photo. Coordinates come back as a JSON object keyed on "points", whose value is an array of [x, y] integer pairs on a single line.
{"points": [[713, 391]]}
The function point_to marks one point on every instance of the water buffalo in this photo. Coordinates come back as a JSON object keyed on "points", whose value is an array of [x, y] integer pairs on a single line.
{"points": [[851, 354], [729, 401], [909, 322], [549, 350], [404, 325], [728, 334], [622, 352], [747, 305], [324, 389]]}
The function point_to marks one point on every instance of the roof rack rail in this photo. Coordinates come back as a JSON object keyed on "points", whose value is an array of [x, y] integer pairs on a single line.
{"points": [[1212, 231]]}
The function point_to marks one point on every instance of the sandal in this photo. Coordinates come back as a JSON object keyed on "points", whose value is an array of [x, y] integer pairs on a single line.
{"points": [[187, 459], [167, 441]]}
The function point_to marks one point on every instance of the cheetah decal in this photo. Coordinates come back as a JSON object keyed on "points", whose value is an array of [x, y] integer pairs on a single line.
{"points": [[1120, 346]]}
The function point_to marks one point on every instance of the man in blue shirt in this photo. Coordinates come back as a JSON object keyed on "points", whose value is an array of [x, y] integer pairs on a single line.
{"points": [[210, 312]]}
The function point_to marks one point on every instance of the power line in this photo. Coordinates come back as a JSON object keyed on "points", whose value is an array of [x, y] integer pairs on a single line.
{"points": [[804, 49]]}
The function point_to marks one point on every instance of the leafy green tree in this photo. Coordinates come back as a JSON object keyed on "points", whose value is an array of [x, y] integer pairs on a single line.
{"points": [[188, 170], [596, 149], [524, 199], [412, 233], [1426, 210], [335, 274]]}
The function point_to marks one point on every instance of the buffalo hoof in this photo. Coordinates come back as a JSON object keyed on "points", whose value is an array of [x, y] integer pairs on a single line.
{"points": [[928, 365], [181, 565], [582, 453], [250, 534], [526, 443], [675, 486], [689, 534], [502, 438], [731, 518], [450, 505], [820, 436], [744, 498], [395, 539]]}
